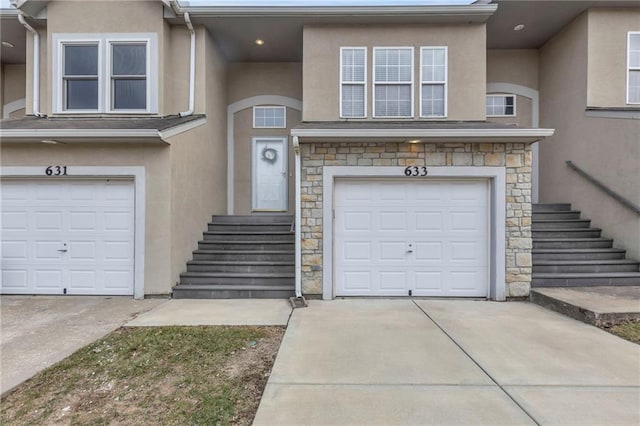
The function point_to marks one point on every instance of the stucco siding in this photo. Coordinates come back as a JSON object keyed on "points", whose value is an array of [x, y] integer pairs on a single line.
{"points": [[514, 66], [609, 149], [12, 86], [198, 160], [254, 79], [607, 55], [466, 65]]}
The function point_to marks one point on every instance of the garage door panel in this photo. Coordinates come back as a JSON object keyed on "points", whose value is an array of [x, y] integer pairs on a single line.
{"points": [[428, 251], [428, 236], [428, 280], [391, 251], [65, 234], [392, 280], [356, 221], [356, 280]]}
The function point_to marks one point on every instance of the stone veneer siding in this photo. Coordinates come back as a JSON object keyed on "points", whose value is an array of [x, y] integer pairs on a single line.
{"points": [[516, 157]]}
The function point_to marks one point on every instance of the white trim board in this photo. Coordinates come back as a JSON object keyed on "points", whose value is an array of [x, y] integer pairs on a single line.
{"points": [[232, 109], [138, 175], [497, 179], [14, 106]]}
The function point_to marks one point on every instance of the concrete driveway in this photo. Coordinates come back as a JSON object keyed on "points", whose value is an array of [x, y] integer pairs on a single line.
{"points": [[38, 331], [368, 362]]}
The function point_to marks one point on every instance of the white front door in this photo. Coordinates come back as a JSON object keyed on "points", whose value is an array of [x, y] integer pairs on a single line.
{"points": [[269, 175], [67, 237], [423, 238]]}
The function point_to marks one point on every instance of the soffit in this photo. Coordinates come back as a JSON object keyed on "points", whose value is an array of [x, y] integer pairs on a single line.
{"points": [[542, 20]]}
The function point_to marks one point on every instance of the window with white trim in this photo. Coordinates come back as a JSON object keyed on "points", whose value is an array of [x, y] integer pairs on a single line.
{"points": [[501, 105], [633, 65], [353, 86], [105, 73], [269, 117], [433, 82], [393, 82]]}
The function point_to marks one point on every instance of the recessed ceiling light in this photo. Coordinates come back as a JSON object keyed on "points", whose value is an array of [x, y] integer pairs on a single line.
{"points": [[518, 27], [7, 44], [259, 42], [414, 141], [49, 141]]}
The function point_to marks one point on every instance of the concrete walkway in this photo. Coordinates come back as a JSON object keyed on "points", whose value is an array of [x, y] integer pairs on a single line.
{"points": [[368, 362], [38, 331]]}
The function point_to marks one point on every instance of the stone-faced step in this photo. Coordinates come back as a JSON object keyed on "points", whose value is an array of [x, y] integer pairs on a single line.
{"points": [[232, 292], [253, 219], [566, 233], [249, 236], [551, 207], [556, 215], [245, 255], [572, 243], [239, 266], [246, 245], [585, 266], [577, 254], [547, 224], [585, 279], [228, 278], [249, 227]]}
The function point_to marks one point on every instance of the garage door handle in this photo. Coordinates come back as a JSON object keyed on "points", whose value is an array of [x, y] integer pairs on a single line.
{"points": [[62, 250]]}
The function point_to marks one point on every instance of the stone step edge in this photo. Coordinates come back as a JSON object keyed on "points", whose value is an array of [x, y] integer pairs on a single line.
{"points": [[237, 275], [586, 275], [585, 262], [241, 262], [232, 287]]}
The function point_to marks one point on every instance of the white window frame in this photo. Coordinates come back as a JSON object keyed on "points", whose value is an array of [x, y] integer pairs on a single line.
{"points": [[364, 82], [445, 82], [503, 95], [411, 82], [629, 67], [283, 108], [104, 42]]}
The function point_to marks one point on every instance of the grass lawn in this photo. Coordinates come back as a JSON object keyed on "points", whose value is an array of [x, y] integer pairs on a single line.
{"points": [[629, 331], [165, 375]]}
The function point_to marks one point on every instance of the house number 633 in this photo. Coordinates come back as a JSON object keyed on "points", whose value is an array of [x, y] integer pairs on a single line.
{"points": [[415, 171], [56, 171]]}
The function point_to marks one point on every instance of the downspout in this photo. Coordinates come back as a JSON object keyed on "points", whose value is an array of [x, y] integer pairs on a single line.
{"points": [[298, 220], [36, 65], [192, 67]]}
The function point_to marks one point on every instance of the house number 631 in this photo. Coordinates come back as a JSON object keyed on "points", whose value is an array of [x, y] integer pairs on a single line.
{"points": [[56, 171], [415, 171]]}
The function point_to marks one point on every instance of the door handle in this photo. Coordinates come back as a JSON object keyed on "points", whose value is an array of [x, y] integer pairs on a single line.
{"points": [[409, 248], [62, 250]]}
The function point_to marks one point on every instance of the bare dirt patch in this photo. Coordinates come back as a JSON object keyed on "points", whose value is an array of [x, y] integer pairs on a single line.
{"points": [[166, 375]]}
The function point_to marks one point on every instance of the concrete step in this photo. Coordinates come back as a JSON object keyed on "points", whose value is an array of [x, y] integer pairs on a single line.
{"points": [[249, 227], [228, 278], [577, 254], [566, 233], [572, 243], [240, 266], [245, 255], [556, 215], [547, 224], [599, 306], [232, 292], [246, 245], [252, 219], [249, 236], [585, 279], [585, 266], [551, 207]]}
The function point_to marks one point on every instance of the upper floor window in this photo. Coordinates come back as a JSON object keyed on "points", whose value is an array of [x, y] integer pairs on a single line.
{"points": [[105, 73], [433, 82], [269, 117], [393, 82], [501, 105], [353, 82], [633, 64]]}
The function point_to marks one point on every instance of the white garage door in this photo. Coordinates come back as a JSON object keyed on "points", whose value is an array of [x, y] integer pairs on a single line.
{"points": [[67, 236], [424, 238]]}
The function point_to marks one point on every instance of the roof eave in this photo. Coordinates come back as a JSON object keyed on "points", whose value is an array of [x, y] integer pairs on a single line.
{"points": [[424, 135], [477, 11]]}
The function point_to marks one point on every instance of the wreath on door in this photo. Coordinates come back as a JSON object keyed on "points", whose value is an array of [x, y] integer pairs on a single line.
{"points": [[269, 155]]}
